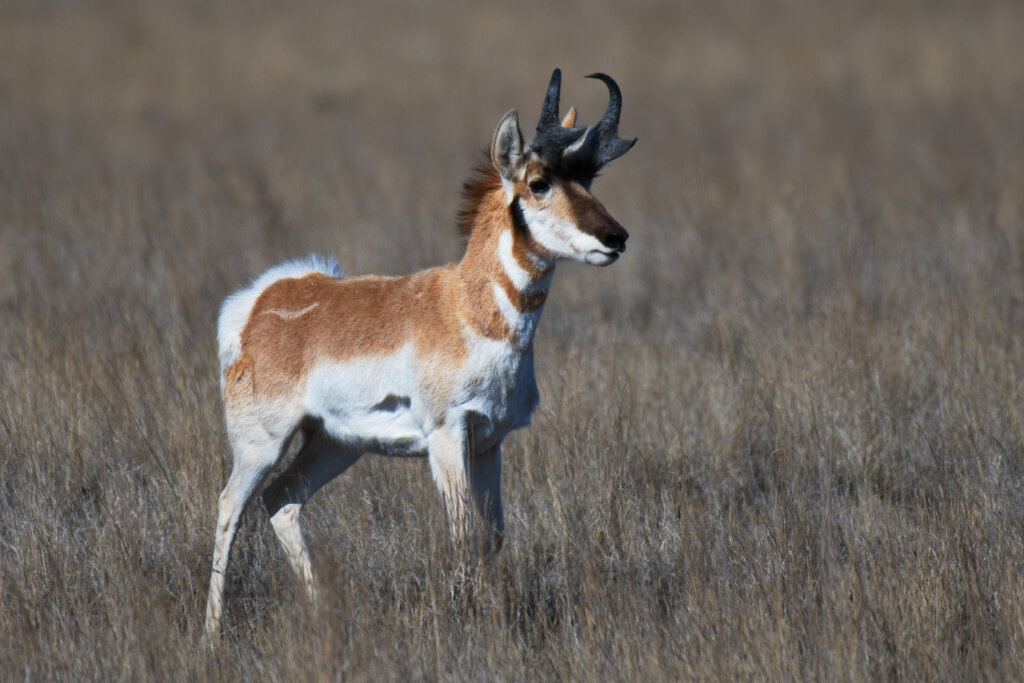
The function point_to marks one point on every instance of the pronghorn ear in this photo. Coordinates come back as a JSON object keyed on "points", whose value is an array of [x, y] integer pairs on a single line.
{"points": [[507, 148], [570, 118]]}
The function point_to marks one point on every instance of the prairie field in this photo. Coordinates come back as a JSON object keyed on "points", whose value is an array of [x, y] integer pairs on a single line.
{"points": [[781, 438]]}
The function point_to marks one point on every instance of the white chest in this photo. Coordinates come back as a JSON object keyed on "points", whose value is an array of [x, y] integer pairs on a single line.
{"points": [[499, 393]]}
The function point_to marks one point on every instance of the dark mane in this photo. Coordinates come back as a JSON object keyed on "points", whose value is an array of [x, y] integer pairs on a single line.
{"points": [[485, 180]]}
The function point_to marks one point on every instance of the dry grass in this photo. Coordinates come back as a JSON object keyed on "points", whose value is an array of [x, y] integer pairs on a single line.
{"points": [[782, 438]]}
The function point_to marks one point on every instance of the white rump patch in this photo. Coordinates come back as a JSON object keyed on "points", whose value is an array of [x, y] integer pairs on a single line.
{"points": [[235, 312]]}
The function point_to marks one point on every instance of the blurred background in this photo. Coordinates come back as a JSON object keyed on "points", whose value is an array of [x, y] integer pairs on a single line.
{"points": [[780, 438]]}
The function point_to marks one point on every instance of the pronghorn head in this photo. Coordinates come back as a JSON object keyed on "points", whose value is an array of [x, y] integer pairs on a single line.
{"points": [[547, 183]]}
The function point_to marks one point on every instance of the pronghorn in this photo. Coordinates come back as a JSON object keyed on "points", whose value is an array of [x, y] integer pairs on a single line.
{"points": [[438, 363]]}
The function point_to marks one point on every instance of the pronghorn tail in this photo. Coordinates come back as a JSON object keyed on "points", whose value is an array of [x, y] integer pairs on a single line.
{"points": [[234, 314]]}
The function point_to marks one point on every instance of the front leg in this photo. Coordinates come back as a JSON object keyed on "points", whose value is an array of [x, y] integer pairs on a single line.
{"points": [[485, 477], [447, 453]]}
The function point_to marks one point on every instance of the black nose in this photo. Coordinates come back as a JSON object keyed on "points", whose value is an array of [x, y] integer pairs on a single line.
{"points": [[616, 240]]}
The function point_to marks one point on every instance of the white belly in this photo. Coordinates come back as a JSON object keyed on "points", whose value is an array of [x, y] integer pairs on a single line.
{"points": [[379, 405], [375, 405]]}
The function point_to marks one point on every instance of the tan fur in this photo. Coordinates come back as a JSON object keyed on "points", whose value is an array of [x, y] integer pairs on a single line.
{"points": [[479, 267], [524, 302], [298, 322], [352, 318]]}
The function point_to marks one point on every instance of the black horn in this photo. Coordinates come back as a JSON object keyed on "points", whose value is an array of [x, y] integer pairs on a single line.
{"points": [[549, 112], [555, 144], [610, 145], [550, 139]]}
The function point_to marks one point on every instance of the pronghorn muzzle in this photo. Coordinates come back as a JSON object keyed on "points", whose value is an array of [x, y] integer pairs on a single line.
{"points": [[593, 219], [613, 236], [616, 238]]}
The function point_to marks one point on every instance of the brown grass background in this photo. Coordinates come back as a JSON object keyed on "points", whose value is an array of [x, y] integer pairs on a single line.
{"points": [[781, 438]]}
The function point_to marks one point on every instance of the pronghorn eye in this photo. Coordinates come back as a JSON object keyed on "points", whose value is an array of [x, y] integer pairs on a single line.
{"points": [[539, 186]]}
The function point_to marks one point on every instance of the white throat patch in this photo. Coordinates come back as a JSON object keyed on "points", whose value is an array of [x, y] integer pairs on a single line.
{"points": [[516, 273], [523, 324]]}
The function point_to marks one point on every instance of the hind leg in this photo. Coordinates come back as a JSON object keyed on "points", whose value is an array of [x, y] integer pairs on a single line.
{"points": [[319, 461], [255, 455]]}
